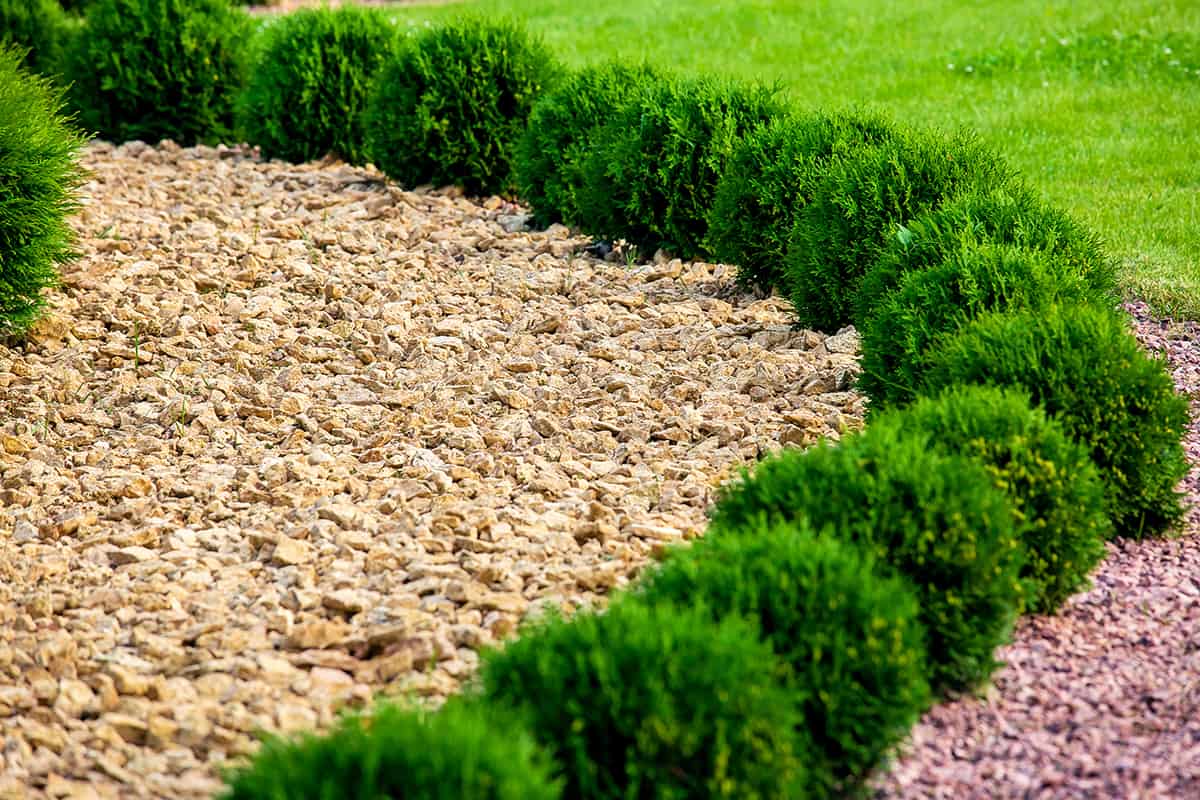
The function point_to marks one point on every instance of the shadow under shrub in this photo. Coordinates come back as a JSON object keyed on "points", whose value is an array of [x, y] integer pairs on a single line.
{"points": [[551, 152], [771, 175], [159, 69], [859, 206], [39, 180], [450, 106], [1056, 493], [461, 752], [849, 637], [1013, 216], [933, 303], [308, 92], [39, 26], [640, 701], [935, 518], [1085, 369], [653, 168]]}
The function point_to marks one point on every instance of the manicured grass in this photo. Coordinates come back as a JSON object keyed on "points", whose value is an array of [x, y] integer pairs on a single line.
{"points": [[1083, 98]]}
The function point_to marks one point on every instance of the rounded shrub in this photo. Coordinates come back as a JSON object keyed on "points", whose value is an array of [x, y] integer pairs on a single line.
{"points": [[643, 701], [1012, 215], [550, 154], [1083, 366], [850, 637], [39, 178], [933, 517], [937, 301], [159, 69], [308, 92], [464, 751], [1056, 493], [860, 204], [449, 107], [654, 165], [41, 27], [771, 175]]}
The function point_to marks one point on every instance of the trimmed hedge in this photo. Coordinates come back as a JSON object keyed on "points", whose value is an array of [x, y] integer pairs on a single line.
{"points": [[771, 175], [310, 85], [935, 302], [450, 106], [1083, 366], [462, 752], [641, 701], [39, 180], [551, 152], [861, 203], [159, 69], [653, 168], [1013, 215], [39, 26], [935, 518], [850, 637], [1056, 492]]}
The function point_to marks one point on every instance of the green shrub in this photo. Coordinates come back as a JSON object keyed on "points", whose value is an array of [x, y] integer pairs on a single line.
{"points": [[449, 107], [464, 751], [1055, 491], [859, 205], [933, 517], [850, 637], [1083, 366], [935, 302], [309, 88], [771, 175], [550, 154], [159, 69], [654, 165], [1010, 216], [39, 178], [39, 26], [641, 701]]}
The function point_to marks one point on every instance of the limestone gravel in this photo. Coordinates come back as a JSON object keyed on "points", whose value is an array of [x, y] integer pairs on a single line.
{"points": [[293, 437]]}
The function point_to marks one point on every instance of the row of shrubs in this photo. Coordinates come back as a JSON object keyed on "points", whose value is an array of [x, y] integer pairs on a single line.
{"points": [[1015, 425]]}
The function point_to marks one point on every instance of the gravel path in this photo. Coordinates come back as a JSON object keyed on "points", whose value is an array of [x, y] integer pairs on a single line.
{"points": [[1102, 700], [293, 436]]}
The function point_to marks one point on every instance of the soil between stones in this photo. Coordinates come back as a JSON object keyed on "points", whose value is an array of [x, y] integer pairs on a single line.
{"points": [[293, 437]]}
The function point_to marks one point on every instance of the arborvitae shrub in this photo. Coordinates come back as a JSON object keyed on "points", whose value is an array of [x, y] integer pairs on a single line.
{"points": [[642, 701], [653, 168], [771, 175], [934, 517], [464, 751], [1084, 367], [39, 26], [550, 154], [1012, 215], [935, 302], [39, 177], [1056, 493], [308, 92], [159, 69], [849, 636], [861, 203], [451, 105]]}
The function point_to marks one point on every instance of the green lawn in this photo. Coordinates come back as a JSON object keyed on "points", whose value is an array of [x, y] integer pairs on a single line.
{"points": [[1098, 104]]}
